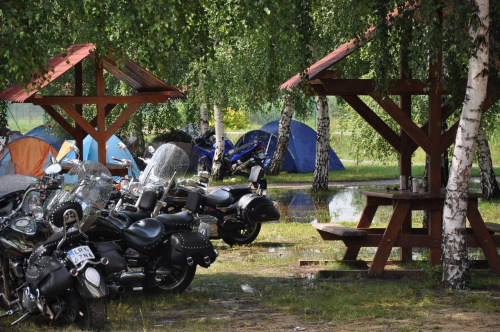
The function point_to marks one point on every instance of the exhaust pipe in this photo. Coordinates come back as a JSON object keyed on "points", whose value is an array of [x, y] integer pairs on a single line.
{"points": [[114, 289]]}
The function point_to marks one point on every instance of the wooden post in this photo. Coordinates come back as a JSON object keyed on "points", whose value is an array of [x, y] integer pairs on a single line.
{"points": [[79, 132], [101, 113]]}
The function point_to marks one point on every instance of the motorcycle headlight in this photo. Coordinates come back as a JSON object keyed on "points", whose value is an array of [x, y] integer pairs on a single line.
{"points": [[124, 184]]}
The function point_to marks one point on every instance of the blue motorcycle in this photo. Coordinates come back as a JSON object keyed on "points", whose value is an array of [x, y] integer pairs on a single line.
{"points": [[236, 161]]}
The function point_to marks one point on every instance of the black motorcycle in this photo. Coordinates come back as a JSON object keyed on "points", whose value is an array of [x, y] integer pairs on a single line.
{"points": [[159, 253], [236, 213], [48, 265]]}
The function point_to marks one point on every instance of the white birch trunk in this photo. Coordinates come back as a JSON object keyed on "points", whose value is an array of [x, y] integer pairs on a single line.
{"points": [[276, 162], [489, 182], [204, 126], [454, 244], [320, 181], [219, 143]]}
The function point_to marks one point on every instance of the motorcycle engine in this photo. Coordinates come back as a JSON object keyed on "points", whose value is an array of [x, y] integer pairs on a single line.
{"points": [[29, 301]]}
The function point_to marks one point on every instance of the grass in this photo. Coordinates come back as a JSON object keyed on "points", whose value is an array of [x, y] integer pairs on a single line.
{"points": [[263, 281]]}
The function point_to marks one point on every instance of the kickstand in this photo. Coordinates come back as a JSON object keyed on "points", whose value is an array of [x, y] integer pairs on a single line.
{"points": [[20, 319]]}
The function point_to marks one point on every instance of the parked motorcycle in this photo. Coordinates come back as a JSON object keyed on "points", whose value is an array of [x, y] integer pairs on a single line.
{"points": [[236, 161], [236, 213], [161, 252], [48, 265]]}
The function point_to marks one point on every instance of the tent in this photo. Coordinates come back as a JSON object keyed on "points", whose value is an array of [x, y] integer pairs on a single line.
{"points": [[301, 154], [26, 155], [47, 134], [112, 150]]}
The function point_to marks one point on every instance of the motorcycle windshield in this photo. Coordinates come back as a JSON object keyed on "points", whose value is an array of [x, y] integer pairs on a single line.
{"points": [[168, 159]]}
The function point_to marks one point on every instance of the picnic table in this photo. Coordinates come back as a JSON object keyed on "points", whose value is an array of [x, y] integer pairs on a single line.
{"points": [[400, 232]]}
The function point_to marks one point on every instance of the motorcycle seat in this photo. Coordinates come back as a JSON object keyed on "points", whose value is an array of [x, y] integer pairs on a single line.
{"points": [[130, 217], [237, 191], [218, 197], [238, 149], [145, 234], [176, 221]]}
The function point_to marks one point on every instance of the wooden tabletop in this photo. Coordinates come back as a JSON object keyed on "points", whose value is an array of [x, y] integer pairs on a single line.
{"points": [[407, 194]]}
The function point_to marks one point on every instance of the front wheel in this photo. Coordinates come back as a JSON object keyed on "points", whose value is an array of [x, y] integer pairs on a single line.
{"points": [[175, 279], [90, 314], [246, 235]]}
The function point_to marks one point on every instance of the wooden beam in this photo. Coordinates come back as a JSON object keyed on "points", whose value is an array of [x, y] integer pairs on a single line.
{"points": [[448, 138], [60, 120], [107, 109], [79, 119], [87, 100], [404, 121], [121, 119], [374, 120]]}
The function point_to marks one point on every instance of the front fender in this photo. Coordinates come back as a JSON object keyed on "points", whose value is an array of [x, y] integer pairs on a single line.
{"points": [[87, 285]]}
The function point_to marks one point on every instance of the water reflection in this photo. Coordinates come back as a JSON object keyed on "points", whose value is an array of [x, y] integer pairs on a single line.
{"points": [[341, 204]]}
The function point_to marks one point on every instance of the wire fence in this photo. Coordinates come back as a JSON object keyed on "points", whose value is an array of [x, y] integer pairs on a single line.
{"points": [[23, 117]]}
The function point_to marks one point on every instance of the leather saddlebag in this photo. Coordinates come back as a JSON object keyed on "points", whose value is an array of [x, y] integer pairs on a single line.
{"points": [[48, 275], [191, 248], [254, 208], [112, 252]]}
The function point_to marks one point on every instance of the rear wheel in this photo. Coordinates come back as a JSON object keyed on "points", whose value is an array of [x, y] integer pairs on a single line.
{"points": [[90, 314], [175, 279], [246, 235]]}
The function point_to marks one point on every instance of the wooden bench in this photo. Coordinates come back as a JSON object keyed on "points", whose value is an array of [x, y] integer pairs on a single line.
{"points": [[330, 231], [492, 227]]}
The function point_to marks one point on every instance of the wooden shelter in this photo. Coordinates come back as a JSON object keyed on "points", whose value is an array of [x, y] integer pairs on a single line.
{"points": [[148, 89], [321, 79]]}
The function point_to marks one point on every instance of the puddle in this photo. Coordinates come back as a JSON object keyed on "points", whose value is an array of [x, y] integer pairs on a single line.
{"points": [[343, 204]]}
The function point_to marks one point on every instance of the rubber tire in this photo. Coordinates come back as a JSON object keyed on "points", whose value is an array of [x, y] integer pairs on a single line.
{"points": [[92, 314], [244, 238], [178, 284]]}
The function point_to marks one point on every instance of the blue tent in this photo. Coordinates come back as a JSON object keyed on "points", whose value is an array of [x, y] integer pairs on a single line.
{"points": [[301, 154], [112, 150], [47, 134]]}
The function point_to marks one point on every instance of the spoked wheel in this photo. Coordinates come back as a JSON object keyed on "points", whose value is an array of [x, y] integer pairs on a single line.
{"points": [[87, 314], [175, 279], [246, 236]]}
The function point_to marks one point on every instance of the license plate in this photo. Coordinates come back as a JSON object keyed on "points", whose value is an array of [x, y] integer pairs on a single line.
{"points": [[80, 254]]}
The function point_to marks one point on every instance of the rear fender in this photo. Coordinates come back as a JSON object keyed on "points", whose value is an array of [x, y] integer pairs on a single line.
{"points": [[88, 286]]}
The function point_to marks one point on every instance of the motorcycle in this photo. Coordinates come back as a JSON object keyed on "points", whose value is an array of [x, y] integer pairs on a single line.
{"points": [[159, 253], [48, 265], [236, 213], [236, 161]]}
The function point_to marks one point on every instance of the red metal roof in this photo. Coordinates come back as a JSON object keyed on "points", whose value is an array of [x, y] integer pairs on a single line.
{"points": [[135, 76], [340, 53]]}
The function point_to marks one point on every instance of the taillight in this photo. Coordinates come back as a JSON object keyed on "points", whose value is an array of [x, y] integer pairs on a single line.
{"points": [[260, 147]]}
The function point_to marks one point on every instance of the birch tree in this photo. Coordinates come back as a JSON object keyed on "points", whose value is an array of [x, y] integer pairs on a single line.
{"points": [[489, 182], [276, 162], [219, 142], [320, 180], [454, 242]]}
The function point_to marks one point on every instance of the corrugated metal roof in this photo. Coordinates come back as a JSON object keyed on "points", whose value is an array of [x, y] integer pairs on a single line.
{"points": [[340, 53], [133, 75], [60, 64]]}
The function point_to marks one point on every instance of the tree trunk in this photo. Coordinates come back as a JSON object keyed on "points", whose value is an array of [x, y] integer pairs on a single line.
{"points": [[489, 182], [204, 126], [320, 181], [454, 243], [219, 143], [283, 137]]}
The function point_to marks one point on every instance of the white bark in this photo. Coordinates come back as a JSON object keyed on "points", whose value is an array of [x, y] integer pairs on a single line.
{"points": [[320, 181], [276, 162], [219, 143], [489, 183], [204, 126], [454, 245]]}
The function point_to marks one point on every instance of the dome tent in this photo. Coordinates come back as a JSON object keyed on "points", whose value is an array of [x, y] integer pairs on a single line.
{"points": [[301, 154]]}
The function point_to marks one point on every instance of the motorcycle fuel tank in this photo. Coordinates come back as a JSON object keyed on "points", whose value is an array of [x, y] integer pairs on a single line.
{"points": [[20, 237]]}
